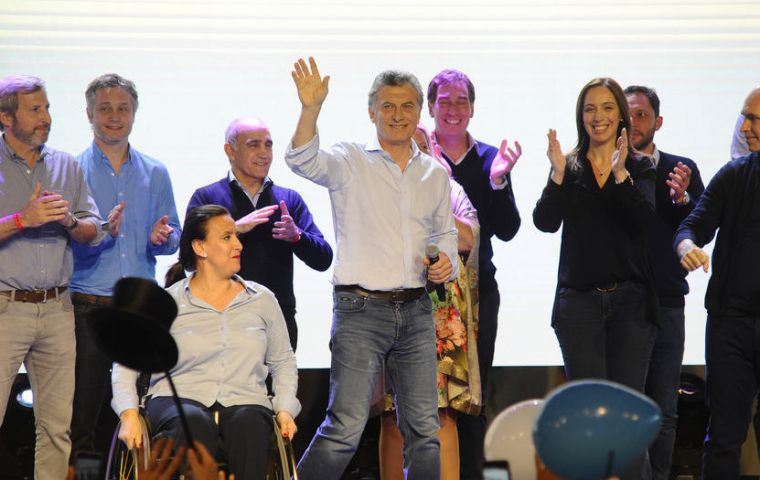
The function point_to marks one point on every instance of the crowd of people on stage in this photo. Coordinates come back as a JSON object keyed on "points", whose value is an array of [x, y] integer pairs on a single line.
{"points": [[416, 300]]}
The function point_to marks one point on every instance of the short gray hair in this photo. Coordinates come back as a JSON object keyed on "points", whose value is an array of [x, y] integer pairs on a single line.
{"points": [[233, 129], [109, 80], [11, 86], [394, 78]]}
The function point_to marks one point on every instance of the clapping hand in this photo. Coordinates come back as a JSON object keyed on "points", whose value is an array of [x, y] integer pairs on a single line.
{"points": [[620, 155], [161, 230], [504, 161], [114, 219], [678, 182], [557, 159], [255, 218], [286, 229]]}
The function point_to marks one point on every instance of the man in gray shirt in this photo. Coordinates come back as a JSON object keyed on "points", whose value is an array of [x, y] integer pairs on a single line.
{"points": [[44, 205]]}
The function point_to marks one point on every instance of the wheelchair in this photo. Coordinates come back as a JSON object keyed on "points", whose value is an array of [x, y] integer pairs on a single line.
{"points": [[122, 462]]}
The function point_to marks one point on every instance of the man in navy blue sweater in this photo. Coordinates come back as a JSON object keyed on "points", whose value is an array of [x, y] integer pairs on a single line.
{"points": [[484, 173], [730, 205], [273, 222], [678, 187]]}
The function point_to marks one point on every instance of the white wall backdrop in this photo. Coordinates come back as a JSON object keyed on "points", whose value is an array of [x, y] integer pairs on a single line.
{"points": [[198, 64]]}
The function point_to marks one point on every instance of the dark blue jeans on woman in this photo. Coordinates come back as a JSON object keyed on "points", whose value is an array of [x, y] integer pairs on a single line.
{"points": [[606, 334], [242, 436]]}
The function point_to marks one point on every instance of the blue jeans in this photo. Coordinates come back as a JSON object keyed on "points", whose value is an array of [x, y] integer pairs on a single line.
{"points": [[663, 380], [367, 334], [732, 355], [607, 335]]}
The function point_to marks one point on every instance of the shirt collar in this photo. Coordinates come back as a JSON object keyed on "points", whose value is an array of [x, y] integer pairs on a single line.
{"points": [[655, 156], [99, 155], [373, 145], [232, 178], [7, 151]]}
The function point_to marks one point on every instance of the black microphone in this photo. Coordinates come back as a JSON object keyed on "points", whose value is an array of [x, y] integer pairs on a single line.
{"points": [[431, 252]]}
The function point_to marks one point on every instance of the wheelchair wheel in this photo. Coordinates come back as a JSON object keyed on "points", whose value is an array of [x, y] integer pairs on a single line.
{"points": [[282, 461], [122, 461]]}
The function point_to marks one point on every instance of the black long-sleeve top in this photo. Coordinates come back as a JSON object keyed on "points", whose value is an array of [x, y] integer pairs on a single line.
{"points": [[731, 205], [497, 211], [604, 238]]}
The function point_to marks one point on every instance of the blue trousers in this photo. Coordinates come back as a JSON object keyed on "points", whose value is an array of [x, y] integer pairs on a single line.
{"points": [[732, 354], [663, 380], [242, 436], [606, 335], [366, 334]]}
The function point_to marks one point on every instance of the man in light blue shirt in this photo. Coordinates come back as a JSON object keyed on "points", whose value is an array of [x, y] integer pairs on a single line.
{"points": [[389, 203], [142, 223]]}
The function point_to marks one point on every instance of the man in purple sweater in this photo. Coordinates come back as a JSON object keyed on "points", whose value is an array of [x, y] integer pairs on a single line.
{"points": [[274, 222]]}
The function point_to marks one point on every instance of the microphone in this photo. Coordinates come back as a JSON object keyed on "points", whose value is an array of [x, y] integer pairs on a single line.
{"points": [[431, 252]]}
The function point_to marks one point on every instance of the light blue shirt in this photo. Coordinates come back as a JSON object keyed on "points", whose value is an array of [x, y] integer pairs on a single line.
{"points": [[144, 185], [40, 258], [383, 217], [224, 356]]}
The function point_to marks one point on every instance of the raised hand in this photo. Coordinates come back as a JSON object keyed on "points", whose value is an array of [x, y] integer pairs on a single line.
{"points": [[678, 182], [287, 424], [254, 219], [44, 207], [620, 155], [557, 159], [286, 229], [161, 230], [114, 219], [312, 88], [504, 161]]}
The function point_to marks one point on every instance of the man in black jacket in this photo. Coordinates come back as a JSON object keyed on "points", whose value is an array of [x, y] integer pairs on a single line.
{"points": [[731, 205], [678, 187], [273, 222]]}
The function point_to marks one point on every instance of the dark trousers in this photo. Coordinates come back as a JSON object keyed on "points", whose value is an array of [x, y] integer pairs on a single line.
{"points": [[732, 354], [606, 335], [663, 380], [93, 379], [472, 429], [242, 436]]}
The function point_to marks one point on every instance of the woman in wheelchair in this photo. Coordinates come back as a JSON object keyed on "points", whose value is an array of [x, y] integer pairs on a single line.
{"points": [[230, 335]]}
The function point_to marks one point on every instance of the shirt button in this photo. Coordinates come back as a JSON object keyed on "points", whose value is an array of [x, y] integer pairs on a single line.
{"points": [[121, 235], [123, 255], [113, 174], [28, 172]]}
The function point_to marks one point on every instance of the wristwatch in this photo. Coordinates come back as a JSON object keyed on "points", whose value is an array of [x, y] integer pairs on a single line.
{"points": [[684, 201], [74, 223]]}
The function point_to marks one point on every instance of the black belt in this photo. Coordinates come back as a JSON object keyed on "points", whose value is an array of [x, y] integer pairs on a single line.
{"points": [[400, 295], [34, 296], [79, 298]]}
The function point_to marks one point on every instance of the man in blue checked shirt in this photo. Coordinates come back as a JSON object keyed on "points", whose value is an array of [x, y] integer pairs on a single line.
{"points": [[142, 223]]}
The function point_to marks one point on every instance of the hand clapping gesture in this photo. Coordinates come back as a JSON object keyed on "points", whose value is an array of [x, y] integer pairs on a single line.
{"points": [[678, 182], [504, 162], [619, 157], [557, 159]]}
